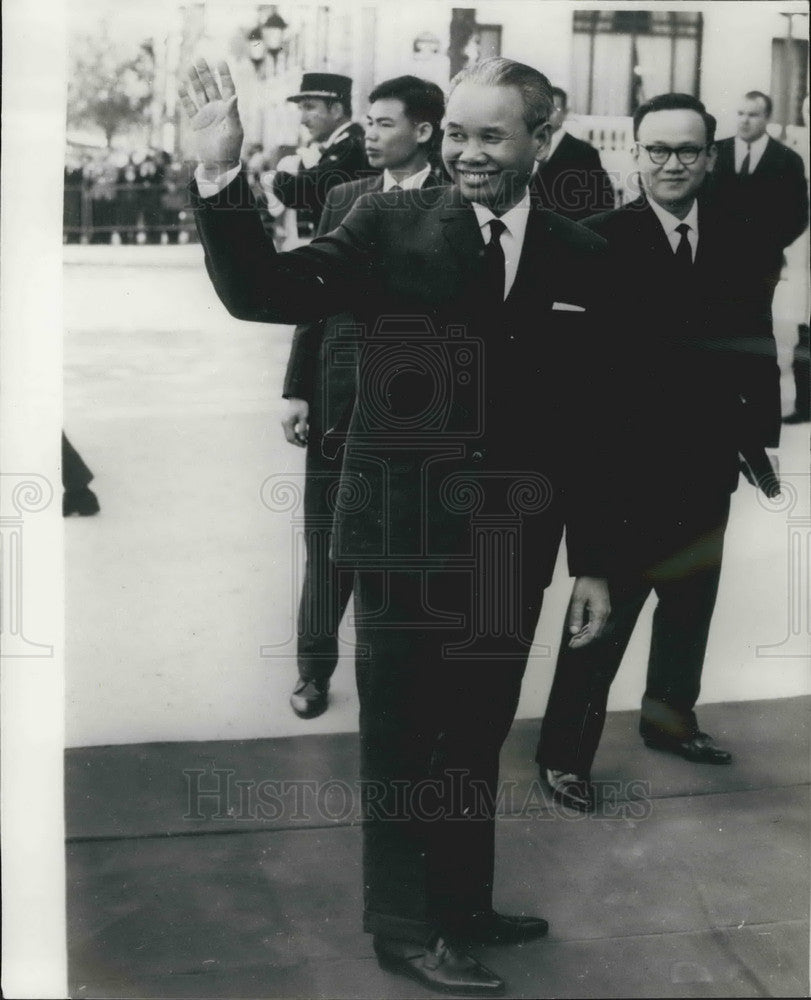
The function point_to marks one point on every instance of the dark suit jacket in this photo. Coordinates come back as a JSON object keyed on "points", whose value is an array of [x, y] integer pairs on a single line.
{"points": [[307, 189], [698, 378], [572, 182], [773, 199], [321, 366], [464, 407]]}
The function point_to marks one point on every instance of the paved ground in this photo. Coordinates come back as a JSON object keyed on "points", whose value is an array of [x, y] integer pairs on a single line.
{"points": [[187, 574], [693, 883], [689, 881]]}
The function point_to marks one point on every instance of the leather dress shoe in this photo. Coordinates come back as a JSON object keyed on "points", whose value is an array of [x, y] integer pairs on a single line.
{"points": [[439, 967], [83, 502], [570, 789], [698, 748], [309, 698], [490, 927]]}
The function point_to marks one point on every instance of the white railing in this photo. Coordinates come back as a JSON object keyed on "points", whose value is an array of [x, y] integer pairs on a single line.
{"points": [[613, 137]]}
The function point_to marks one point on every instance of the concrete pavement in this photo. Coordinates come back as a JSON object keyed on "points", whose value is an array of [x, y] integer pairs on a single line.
{"points": [[187, 573]]}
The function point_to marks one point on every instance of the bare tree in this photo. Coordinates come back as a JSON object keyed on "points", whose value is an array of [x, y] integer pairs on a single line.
{"points": [[109, 86]]}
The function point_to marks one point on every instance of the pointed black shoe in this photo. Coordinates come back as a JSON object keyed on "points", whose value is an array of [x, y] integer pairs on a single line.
{"points": [[490, 927], [698, 749], [438, 967], [309, 698], [83, 502], [570, 789]]}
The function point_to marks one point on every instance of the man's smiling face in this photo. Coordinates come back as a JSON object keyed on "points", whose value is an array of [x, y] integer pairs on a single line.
{"points": [[487, 147], [673, 184]]}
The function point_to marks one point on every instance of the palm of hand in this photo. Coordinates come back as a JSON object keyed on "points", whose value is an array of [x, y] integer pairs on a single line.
{"points": [[217, 131], [213, 116]]}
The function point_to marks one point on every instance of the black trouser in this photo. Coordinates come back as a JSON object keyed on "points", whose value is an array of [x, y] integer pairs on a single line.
{"points": [[75, 474], [431, 728], [325, 590], [685, 578], [801, 369]]}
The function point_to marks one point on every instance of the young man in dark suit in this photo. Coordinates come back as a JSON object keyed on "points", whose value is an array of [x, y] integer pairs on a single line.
{"points": [[336, 153], [402, 132], [571, 180], [471, 443], [764, 181], [692, 338]]}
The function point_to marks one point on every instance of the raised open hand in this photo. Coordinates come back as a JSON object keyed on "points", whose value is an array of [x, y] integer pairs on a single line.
{"points": [[213, 115]]}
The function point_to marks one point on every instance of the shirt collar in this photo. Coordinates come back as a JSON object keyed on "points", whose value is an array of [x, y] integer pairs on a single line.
{"points": [[412, 181], [515, 220], [669, 221], [555, 141], [336, 135], [758, 146]]}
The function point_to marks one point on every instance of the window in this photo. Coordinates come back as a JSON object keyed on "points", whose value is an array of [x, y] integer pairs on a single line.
{"points": [[622, 58], [789, 79]]}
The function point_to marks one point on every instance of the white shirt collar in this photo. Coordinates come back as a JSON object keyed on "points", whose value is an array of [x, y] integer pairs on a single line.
{"points": [[755, 150], [669, 221], [515, 219], [336, 135], [412, 181], [555, 141], [512, 239]]}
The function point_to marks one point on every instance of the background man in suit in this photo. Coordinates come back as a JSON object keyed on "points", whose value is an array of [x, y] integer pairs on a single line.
{"points": [[764, 181], [402, 129], [571, 180], [335, 154], [693, 337], [450, 512]]}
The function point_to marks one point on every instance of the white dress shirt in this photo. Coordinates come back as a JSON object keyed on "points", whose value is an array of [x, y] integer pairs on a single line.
{"points": [[670, 223], [412, 181], [555, 141], [755, 150], [512, 239]]}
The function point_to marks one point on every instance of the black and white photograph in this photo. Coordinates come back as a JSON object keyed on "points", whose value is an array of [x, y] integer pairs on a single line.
{"points": [[405, 499]]}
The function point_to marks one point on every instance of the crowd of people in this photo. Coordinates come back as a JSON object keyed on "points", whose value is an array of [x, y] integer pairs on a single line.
{"points": [[489, 354], [121, 197]]}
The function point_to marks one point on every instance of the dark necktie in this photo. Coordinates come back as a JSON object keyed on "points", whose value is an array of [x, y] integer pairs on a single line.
{"points": [[744, 171], [684, 253], [395, 187], [494, 266]]}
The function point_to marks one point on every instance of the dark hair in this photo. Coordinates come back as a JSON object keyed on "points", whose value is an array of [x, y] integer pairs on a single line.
{"points": [[676, 102], [561, 93], [753, 95], [423, 101], [535, 89], [345, 102]]}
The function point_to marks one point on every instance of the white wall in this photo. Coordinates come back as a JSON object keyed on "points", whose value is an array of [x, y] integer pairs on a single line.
{"points": [[737, 53], [536, 32]]}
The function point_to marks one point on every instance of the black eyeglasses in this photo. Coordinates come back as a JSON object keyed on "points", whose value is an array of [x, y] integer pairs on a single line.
{"points": [[686, 155]]}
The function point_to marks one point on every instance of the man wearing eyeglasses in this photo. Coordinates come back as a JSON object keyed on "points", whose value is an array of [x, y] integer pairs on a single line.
{"points": [[700, 385]]}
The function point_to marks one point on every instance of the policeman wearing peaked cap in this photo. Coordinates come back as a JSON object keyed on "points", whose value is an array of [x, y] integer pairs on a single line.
{"points": [[336, 154]]}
